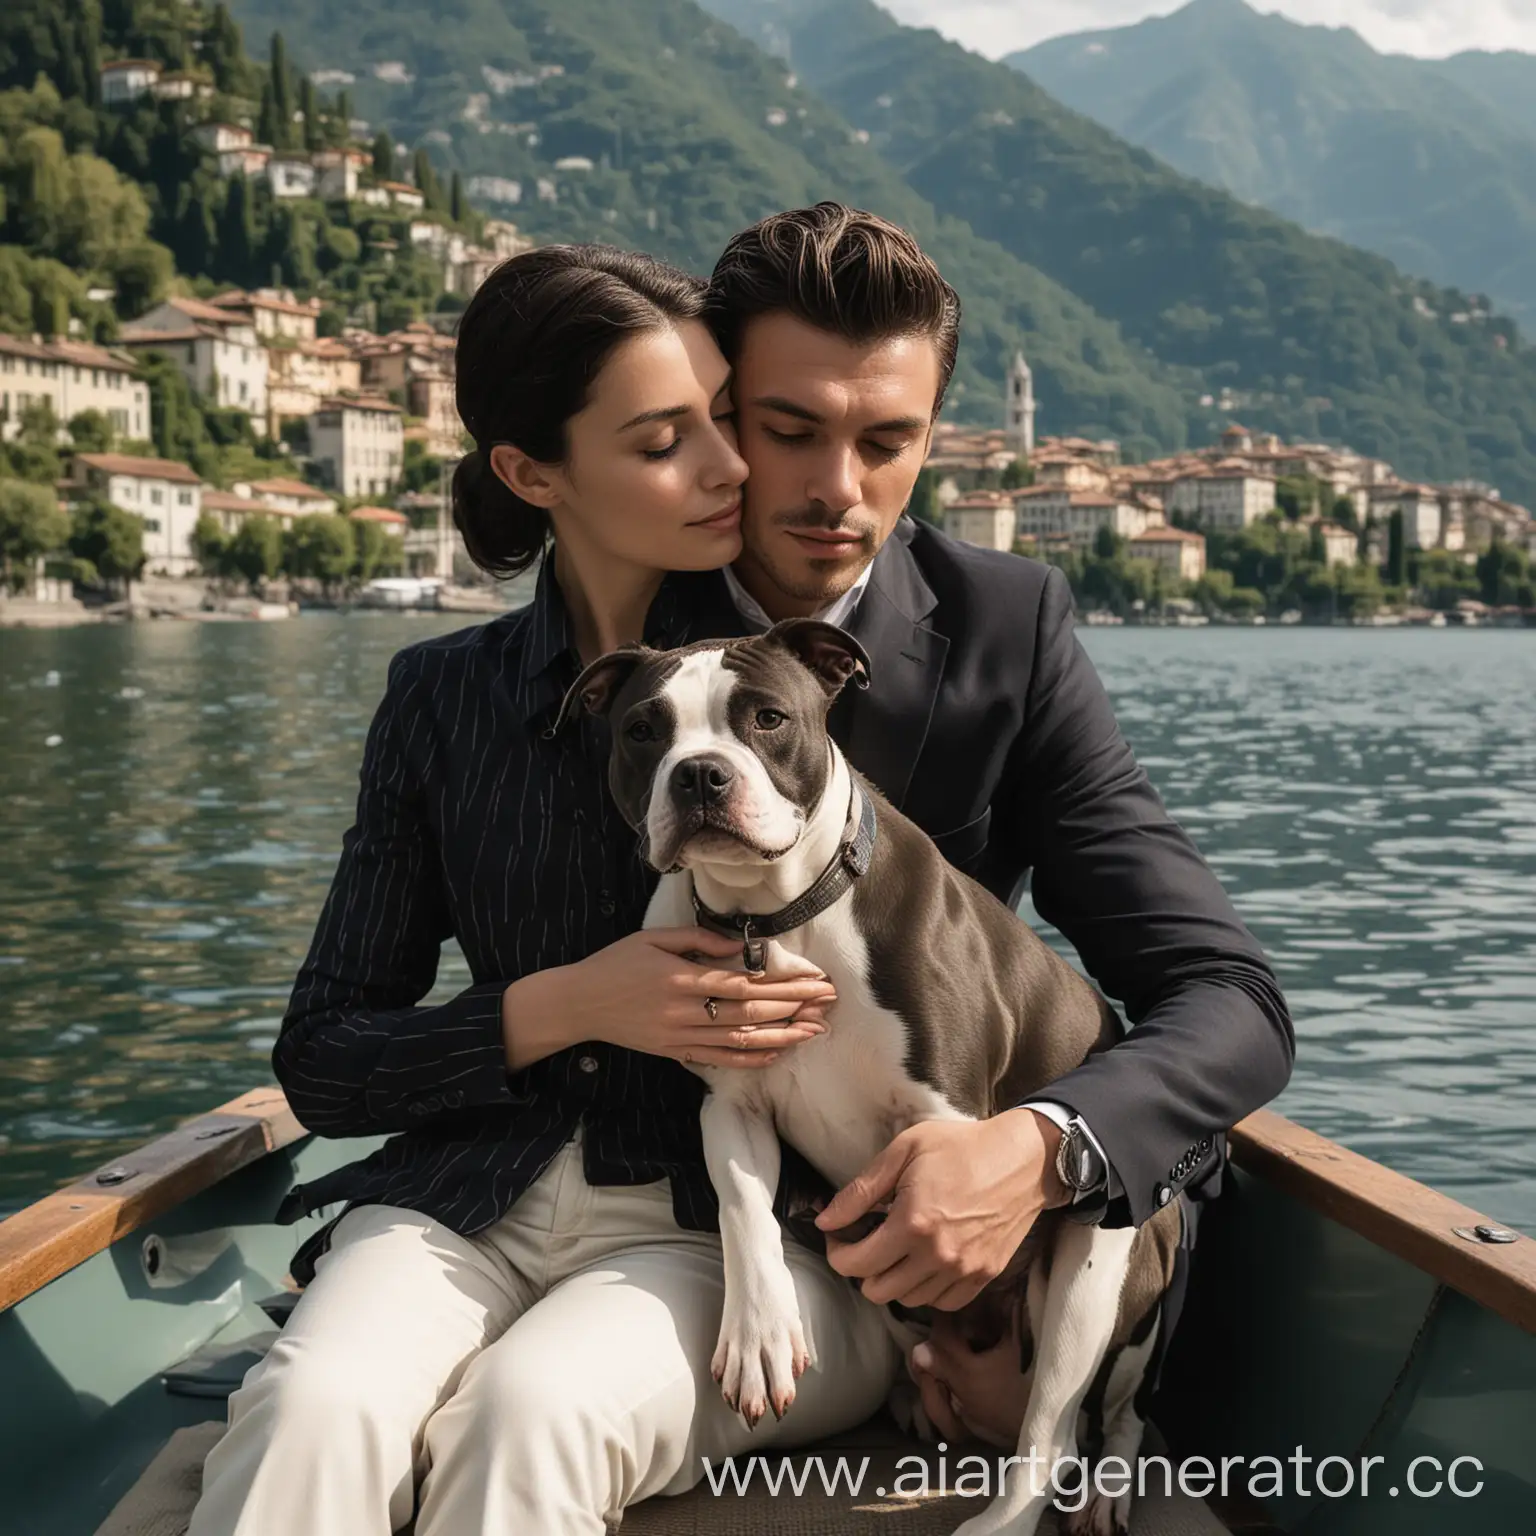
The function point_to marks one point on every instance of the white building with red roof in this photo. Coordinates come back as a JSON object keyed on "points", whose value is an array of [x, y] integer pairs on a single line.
{"points": [[166, 497], [71, 376], [216, 348]]}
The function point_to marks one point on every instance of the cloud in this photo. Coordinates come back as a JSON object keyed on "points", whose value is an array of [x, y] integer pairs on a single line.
{"points": [[1428, 28]]}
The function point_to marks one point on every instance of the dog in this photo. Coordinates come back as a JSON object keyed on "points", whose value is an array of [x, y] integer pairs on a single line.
{"points": [[948, 1008]]}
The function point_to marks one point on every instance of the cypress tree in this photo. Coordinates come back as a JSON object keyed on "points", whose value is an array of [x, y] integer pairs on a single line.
{"points": [[282, 89], [268, 128], [69, 70], [311, 110], [196, 241], [426, 181], [226, 49], [344, 113], [383, 156], [458, 205], [1397, 550], [237, 232]]}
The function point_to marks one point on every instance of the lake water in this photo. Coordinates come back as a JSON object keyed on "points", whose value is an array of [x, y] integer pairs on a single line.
{"points": [[1368, 797]]}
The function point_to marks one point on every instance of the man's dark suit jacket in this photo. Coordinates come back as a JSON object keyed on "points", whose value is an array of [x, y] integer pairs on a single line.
{"points": [[985, 722]]}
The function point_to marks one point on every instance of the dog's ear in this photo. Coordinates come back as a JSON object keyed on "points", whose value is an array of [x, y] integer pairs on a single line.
{"points": [[594, 690], [831, 653]]}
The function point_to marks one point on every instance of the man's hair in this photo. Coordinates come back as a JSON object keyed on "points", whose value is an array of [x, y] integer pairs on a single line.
{"points": [[841, 270]]}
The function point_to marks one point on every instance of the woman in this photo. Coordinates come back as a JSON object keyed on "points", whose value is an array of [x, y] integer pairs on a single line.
{"points": [[518, 1309]]}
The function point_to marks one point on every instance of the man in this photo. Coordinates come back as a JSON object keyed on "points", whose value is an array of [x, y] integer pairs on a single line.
{"points": [[988, 726], [526, 1387]]}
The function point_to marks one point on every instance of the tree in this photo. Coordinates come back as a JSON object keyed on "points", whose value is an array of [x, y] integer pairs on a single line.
{"points": [[383, 156], [320, 547], [1502, 570], [224, 51], [91, 432], [33, 455], [924, 504], [282, 92], [256, 551], [339, 247], [111, 540], [237, 231], [1443, 580], [458, 204], [141, 273], [210, 545], [1397, 550], [1016, 474], [269, 124], [379, 552], [309, 107], [1214, 591], [427, 184], [31, 524]]}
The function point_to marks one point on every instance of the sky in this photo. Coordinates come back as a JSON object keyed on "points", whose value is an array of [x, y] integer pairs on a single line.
{"points": [[1428, 28]]}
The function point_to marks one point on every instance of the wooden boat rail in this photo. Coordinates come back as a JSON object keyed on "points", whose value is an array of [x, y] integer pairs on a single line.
{"points": [[66, 1228], [1406, 1218]]}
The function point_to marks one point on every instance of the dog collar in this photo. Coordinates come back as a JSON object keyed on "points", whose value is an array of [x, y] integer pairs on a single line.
{"points": [[835, 881]]}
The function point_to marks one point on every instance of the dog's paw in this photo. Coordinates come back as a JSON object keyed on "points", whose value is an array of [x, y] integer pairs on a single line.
{"points": [[1100, 1516], [760, 1357]]}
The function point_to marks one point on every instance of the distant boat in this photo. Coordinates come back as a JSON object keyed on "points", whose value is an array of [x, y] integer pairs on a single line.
{"points": [[401, 592], [1337, 1307]]}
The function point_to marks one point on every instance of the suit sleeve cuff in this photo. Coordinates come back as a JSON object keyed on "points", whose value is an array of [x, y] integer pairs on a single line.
{"points": [[446, 1057]]}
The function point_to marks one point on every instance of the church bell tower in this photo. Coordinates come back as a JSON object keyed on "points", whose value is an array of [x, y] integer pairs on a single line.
{"points": [[1020, 419]]}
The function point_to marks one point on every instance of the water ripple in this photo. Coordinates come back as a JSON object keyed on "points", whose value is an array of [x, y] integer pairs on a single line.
{"points": [[1368, 798]]}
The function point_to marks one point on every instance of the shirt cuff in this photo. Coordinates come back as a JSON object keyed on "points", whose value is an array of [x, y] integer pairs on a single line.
{"points": [[1059, 1115]]}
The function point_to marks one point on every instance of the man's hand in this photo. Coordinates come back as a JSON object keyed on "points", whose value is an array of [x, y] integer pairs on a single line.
{"points": [[962, 1195], [971, 1394]]}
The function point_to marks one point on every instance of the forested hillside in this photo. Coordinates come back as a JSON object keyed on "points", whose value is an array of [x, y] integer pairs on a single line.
{"points": [[1394, 154], [1295, 332], [117, 199], [691, 133]]}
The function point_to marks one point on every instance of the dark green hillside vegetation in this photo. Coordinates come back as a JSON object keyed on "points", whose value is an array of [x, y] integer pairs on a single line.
{"points": [[1297, 333]]}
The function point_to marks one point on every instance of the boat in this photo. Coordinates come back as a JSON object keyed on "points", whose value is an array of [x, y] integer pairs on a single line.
{"points": [[1338, 1310]]}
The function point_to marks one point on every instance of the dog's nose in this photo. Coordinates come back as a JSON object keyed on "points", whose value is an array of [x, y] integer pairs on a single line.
{"points": [[705, 780]]}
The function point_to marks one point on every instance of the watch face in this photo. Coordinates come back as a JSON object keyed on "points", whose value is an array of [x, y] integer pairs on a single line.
{"points": [[1076, 1162]]}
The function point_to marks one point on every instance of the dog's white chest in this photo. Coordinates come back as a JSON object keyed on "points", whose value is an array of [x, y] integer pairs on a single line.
{"points": [[841, 1097]]}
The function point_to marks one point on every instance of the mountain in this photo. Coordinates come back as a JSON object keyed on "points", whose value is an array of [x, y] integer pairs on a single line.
{"points": [[1298, 333], [1243, 310], [1505, 81], [650, 124], [1432, 165]]}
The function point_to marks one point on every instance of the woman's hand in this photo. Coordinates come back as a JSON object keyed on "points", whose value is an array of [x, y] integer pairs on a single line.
{"points": [[642, 993]]}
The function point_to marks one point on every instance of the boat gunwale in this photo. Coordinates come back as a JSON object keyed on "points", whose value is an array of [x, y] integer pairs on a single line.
{"points": [[55, 1234], [1407, 1219], [1412, 1221]]}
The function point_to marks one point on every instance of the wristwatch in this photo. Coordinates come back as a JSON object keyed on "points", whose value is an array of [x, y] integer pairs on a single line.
{"points": [[1078, 1164]]}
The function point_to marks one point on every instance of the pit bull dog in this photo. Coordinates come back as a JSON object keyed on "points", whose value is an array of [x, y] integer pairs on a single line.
{"points": [[948, 1008]]}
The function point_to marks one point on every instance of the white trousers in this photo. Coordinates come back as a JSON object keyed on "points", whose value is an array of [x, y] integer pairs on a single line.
{"points": [[539, 1376]]}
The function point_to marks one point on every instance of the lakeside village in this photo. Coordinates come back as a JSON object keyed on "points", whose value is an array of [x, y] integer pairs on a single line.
{"points": [[1251, 530], [216, 451]]}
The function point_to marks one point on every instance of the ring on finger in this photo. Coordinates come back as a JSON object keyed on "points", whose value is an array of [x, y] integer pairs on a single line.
{"points": [[712, 1008]]}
